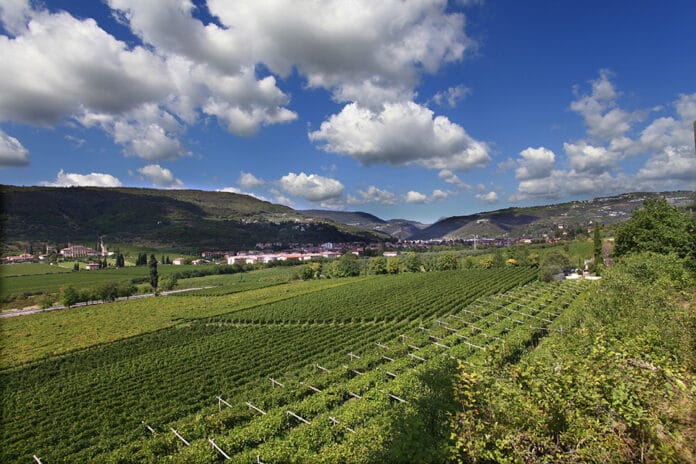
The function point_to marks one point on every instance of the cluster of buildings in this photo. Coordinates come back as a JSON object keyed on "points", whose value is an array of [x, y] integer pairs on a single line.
{"points": [[265, 258]]}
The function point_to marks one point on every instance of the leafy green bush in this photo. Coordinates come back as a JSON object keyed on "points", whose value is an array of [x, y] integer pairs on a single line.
{"points": [[619, 386]]}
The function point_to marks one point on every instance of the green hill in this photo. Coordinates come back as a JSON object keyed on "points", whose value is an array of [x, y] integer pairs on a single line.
{"points": [[534, 222], [397, 228], [189, 219]]}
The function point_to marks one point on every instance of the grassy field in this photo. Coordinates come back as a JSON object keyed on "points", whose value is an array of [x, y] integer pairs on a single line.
{"points": [[24, 338], [29, 269]]}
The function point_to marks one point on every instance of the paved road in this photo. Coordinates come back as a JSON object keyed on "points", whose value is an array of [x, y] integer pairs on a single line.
{"points": [[26, 312]]}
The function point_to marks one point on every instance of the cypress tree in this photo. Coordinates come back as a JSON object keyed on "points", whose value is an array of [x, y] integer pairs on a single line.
{"points": [[154, 277]]}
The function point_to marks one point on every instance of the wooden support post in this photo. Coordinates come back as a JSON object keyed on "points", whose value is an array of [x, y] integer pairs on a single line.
{"points": [[387, 358], [403, 338], [216, 447], [274, 382], [413, 347], [354, 395], [255, 408], [391, 374], [401, 400], [353, 370], [335, 421], [416, 357], [322, 368], [258, 459], [221, 402], [434, 337], [440, 345], [314, 388], [382, 346], [149, 429], [353, 356], [38, 461], [183, 440], [290, 413]]}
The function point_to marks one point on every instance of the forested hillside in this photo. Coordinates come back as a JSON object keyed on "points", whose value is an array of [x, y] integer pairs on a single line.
{"points": [[171, 218]]}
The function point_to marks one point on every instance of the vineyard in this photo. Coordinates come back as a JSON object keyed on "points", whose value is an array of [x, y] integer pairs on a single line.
{"points": [[339, 374]]}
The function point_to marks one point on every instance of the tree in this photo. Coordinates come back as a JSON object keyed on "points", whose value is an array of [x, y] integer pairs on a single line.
{"points": [[393, 265], [306, 272], [554, 263], [70, 296], [346, 266], [597, 245], [447, 261], [412, 262], [154, 277], [378, 265], [168, 283], [311, 271], [76, 266], [657, 227], [498, 258]]}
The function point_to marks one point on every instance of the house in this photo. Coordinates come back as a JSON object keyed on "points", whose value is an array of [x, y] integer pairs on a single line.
{"points": [[91, 266], [23, 258], [390, 254], [78, 251], [178, 261]]}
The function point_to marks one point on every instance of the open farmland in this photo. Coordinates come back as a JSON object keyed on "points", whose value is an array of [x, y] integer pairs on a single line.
{"points": [[41, 279], [88, 403]]}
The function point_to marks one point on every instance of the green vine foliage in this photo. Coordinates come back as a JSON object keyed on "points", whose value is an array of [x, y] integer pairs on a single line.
{"points": [[619, 386]]}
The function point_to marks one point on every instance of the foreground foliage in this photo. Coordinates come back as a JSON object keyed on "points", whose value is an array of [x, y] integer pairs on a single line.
{"points": [[619, 387]]}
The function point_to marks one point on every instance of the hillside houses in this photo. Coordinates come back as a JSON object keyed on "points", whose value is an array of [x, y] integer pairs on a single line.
{"points": [[273, 257], [78, 251]]}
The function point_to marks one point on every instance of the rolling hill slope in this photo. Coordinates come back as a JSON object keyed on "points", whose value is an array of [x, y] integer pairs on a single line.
{"points": [[397, 228], [535, 221], [189, 219]]}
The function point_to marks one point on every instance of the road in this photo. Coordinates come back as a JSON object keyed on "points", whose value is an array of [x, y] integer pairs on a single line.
{"points": [[26, 312]]}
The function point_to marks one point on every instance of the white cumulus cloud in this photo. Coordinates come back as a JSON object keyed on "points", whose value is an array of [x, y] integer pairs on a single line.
{"points": [[12, 152], [583, 157], [160, 177], [249, 181], [311, 187], [451, 178], [452, 96], [535, 163], [603, 118], [490, 197], [401, 134], [373, 195], [95, 179], [415, 197]]}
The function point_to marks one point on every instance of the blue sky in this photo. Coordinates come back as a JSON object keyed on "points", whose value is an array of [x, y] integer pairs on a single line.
{"points": [[412, 109]]}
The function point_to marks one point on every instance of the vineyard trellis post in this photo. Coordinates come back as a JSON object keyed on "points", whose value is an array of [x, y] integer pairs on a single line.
{"points": [[221, 402], [183, 440], [216, 447], [149, 429]]}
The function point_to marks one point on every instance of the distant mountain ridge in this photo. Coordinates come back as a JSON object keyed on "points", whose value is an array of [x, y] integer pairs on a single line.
{"points": [[197, 220], [536, 221], [189, 219], [397, 228]]}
